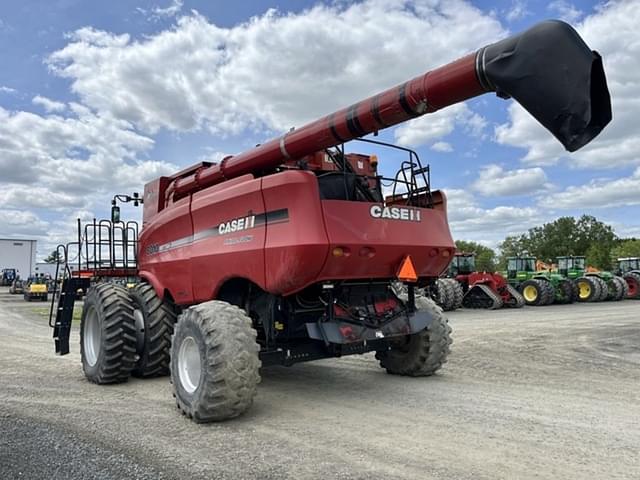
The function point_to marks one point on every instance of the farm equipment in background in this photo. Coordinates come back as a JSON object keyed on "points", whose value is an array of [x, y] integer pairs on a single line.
{"points": [[593, 285], [8, 276], [35, 288], [482, 289], [629, 269], [17, 287], [538, 287], [287, 252]]}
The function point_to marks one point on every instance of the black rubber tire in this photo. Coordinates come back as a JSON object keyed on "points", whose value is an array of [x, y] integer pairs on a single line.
{"points": [[540, 292], [117, 351], [449, 294], [153, 343], [629, 278], [594, 286], [229, 361], [604, 289], [567, 291], [618, 289], [421, 354]]}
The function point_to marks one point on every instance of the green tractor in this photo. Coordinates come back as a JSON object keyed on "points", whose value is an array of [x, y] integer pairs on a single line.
{"points": [[593, 285], [629, 269], [538, 287]]}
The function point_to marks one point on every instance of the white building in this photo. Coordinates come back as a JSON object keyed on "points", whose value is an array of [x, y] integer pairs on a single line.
{"points": [[19, 254]]}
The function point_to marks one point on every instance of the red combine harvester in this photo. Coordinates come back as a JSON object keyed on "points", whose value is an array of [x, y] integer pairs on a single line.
{"points": [[287, 252], [482, 289]]}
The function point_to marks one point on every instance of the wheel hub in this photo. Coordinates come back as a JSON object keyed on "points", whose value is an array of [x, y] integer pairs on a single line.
{"points": [[584, 290], [189, 365], [530, 293], [92, 337], [138, 316]]}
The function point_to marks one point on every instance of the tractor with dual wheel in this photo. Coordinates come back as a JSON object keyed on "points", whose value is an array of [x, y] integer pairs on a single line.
{"points": [[538, 287], [8, 276], [593, 285], [629, 269], [288, 252], [482, 289]]}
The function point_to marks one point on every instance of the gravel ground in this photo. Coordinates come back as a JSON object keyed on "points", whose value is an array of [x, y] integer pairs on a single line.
{"points": [[550, 392]]}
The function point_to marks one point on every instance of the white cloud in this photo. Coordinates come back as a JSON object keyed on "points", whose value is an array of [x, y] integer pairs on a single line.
{"points": [[567, 11], [274, 71], [442, 147], [612, 30], [5, 89], [494, 180], [170, 11], [469, 221], [517, 11], [425, 129], [70, 161], [598, 194], [48, 104], [15, 223]]}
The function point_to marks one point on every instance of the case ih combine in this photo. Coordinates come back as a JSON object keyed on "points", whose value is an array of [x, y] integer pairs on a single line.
{"points": [[287, 252]]}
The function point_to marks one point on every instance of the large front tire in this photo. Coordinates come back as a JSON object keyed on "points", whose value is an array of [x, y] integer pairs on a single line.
{"points": [[107, 334], [214, 362], [154, 327], [423, 353]]}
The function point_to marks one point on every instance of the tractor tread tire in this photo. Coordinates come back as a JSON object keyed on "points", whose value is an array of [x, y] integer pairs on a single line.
{"points": [[230, 361], [159, 319], [427, 350], [540, 289], [604, 289], [549, 292], [117, 355], [568, 292], [449, 293], [595, 288]]}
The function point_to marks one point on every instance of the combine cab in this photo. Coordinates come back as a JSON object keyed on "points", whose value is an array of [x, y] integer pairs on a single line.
{"points": [[592, 285], [629, 269], [538, 287], [288, 252], [482, 289]]}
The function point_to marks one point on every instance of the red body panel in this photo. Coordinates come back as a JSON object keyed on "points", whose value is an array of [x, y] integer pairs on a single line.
{"points": [[288, 242]]}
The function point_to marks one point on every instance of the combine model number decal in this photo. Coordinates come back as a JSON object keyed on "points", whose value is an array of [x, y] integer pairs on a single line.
{"points": [[395, 213], [237, 225]]}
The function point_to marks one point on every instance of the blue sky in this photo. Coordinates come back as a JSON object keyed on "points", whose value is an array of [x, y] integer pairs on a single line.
{"points": [[98, 97]]}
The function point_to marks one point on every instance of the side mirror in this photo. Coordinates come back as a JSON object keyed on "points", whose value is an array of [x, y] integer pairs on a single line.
{"points": [[115, 214]]}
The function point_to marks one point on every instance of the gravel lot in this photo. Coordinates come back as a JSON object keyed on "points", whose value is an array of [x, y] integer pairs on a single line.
{"points": [[550, 392]]}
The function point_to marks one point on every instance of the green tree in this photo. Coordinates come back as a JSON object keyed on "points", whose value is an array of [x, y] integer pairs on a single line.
{"points": [[53, 257], [485, 256], [565, 236], [628, 247]]}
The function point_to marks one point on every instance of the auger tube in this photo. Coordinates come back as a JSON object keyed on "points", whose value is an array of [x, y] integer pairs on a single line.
{"points": [[548, 69]]}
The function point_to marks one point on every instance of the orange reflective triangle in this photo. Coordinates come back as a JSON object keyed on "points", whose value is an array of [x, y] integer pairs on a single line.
{"points": [[407, 272]]}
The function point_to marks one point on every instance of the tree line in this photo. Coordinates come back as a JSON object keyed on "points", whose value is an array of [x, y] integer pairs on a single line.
{"points": [[585, 236]]}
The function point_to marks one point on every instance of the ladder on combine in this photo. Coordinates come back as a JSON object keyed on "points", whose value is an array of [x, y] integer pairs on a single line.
{"points": [[103, 251]]}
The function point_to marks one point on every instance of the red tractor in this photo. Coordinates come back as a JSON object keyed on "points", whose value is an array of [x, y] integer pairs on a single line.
{"points": [[482, 289], [287, 252]]}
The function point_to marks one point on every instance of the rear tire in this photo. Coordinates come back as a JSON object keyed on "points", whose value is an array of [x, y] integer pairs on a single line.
{"points": [[604, 289], [423, 353], [154, 327], [214, 362], [107, 334]]}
